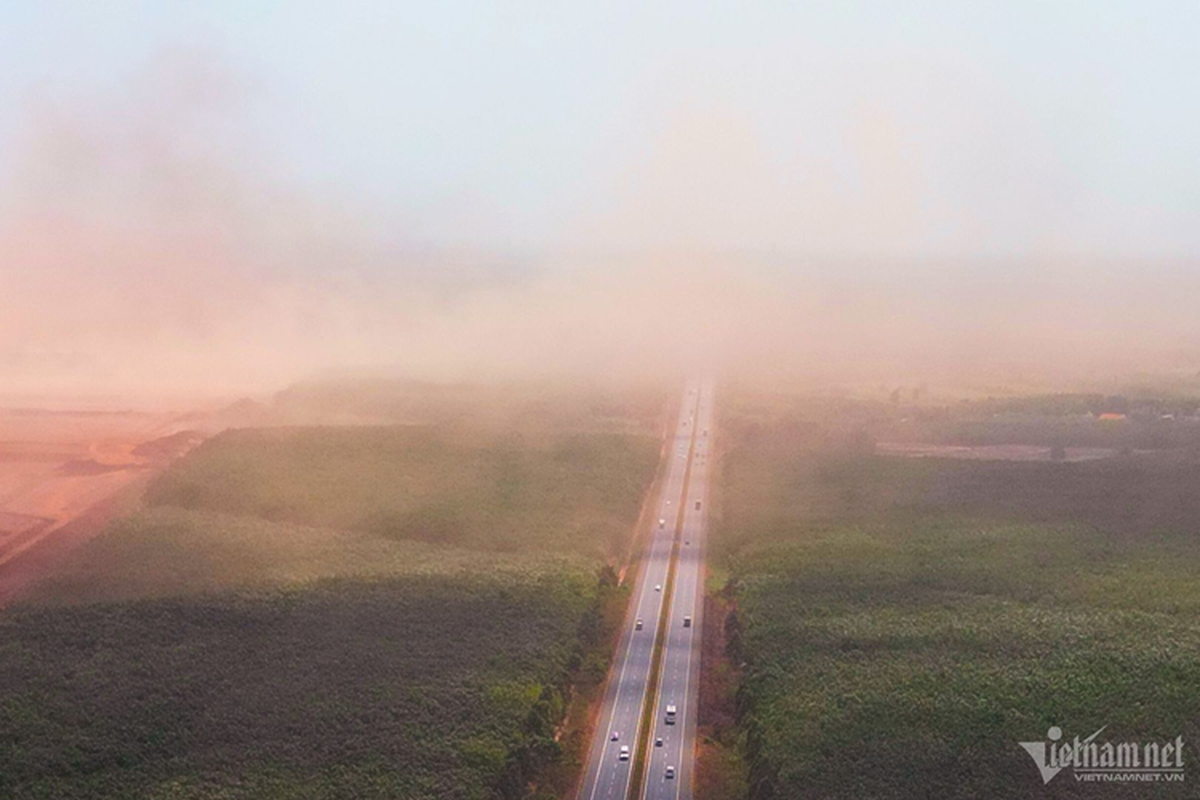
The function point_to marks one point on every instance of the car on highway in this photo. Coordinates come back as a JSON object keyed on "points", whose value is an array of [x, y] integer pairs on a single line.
{"points": [[616, 735], [671, 714], [658, 741], [661, 522], [697, 505], [687, 622], [637, 626], [624, 754], [658, 587], [670, 773], [687, 541]]}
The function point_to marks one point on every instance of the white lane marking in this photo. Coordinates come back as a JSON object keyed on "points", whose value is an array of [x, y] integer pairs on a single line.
{"points": [[630, 649], [693, 644], [672, 490], [653, 756], [694, 576], [656, 543], [687, 576], [661, 677]]}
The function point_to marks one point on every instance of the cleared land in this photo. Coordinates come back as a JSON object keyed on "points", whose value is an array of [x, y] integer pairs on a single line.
{"points": [[54, 464], [374, 612], [57, 466], [904, 623]]}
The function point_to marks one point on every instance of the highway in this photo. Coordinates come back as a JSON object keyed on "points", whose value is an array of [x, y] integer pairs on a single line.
{"points": [[679, 679], [606, 776]]}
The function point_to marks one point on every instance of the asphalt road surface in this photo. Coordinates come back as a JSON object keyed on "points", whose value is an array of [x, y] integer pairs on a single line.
{"points": [[607, 776], [679, 680]]}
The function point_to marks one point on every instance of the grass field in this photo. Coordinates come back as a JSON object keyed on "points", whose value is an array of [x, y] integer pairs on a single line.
{"points": [[903, 624], [534, 407], [570, 492], [163, 552], [353, 612]]}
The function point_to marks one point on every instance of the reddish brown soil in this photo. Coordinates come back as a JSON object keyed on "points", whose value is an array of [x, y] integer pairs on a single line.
{"points": [[63, 474], [21, 571]]}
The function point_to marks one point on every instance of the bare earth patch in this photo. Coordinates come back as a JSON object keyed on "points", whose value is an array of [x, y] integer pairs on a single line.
{"points": [[57, 466]]}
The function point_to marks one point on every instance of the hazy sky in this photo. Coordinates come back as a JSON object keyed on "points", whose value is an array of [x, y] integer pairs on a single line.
{"points": [[917, 128], [229, 194]]}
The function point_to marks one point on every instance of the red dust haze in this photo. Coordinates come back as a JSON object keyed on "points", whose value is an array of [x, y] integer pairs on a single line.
{"points": [[149, 246]]}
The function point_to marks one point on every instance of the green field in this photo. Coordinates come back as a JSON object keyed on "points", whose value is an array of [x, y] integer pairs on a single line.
{"points": [[404, 687], [564, 492], [164, 551], [355, 612], [904, 623], [532, 407]]}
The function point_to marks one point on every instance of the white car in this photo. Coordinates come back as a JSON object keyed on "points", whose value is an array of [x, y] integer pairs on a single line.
{"points": [[637, 626], [670, 773], [658, 742], [661, 522], [658, 587], [616, 735], [624, 754]]}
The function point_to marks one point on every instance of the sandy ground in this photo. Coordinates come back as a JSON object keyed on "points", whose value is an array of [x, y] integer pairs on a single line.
{"points": [[57, 467]]}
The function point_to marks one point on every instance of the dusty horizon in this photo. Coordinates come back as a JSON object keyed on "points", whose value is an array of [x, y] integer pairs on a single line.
{"points": [[162, 236]]}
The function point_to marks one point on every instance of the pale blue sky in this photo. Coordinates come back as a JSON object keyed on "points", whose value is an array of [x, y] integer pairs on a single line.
{"points": [[926, 128]]}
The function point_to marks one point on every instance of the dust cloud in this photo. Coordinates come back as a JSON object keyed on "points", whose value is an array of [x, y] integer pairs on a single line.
{"points": [[153, 248]]}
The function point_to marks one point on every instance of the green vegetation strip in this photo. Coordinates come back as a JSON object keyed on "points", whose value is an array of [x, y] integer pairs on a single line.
{"points": [[641, 763], [343, 688], [904, 623], [563, 492], [297, 614]]}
